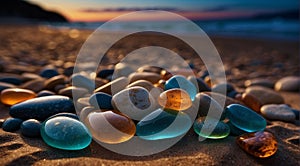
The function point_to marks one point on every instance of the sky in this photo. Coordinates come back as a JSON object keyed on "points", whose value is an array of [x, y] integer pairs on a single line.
{"points": [[103, 10]]}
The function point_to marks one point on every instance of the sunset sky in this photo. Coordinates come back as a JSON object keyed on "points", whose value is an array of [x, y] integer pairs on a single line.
{"points": [[100, 10]]}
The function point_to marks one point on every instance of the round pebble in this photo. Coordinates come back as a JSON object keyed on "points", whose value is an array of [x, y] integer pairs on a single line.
{"points": [[211, 128], [12, 124], [114, 86], [280, 112], [289, 83], [45, 93], [13, 96], [82, 81], [31, 128], [101, 100], [142, 83], [175, 99], [48, 73], [207, 104], [151, 77]]}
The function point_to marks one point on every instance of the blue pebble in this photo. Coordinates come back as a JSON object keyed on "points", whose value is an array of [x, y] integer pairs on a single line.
{"points": [[245, 119], [82, 81], [11, 80], [163, 124], [234, 130], [181, 82], [49, 73], [31, 128], [45, 93], [12, 124], [65, 133], [70, 115], [101, 100]]}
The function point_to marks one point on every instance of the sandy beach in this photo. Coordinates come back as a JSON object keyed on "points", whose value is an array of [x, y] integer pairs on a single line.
{"points": [[29, 49]]}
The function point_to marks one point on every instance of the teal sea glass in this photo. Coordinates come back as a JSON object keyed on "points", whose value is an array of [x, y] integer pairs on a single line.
{"points": [[245, 119], [220, 130]]}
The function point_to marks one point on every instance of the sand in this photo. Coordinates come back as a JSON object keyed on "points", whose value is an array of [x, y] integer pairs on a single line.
{"points": [[30, 48]]}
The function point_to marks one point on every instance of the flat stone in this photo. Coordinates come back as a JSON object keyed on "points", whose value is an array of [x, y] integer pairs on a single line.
{"points": [[101, 100], [151, 77], [211, 128], [48, 73], [12, 124], [114, 86], [42, 107], [259, 82], [289, 83], [31, 128], [13, 96], [280, 112], [11, 78], [142, 83], [4, 85], [52, 82], [260, 144], [69, 91], [245, 118], [206, 104], [35, 85], [175, 99]]}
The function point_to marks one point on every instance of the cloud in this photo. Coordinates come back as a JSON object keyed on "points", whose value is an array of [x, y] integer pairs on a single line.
{"points": [[96, 10]]}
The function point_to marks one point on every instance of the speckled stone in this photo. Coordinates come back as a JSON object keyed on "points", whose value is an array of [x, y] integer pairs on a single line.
{"points": [[175, 99], [278, 112]]}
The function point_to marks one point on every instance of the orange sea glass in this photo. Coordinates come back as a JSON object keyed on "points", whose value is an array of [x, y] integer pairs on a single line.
{"points": [[175, 99], [261, 144], [13, 96]]}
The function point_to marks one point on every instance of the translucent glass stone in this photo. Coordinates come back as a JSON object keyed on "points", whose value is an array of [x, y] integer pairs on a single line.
{"points": [[245, 118], [16, 95], [181, 82], [175, 99], [65, 133], [260, 144], [163, 124], [109, 127], [220, 130]]}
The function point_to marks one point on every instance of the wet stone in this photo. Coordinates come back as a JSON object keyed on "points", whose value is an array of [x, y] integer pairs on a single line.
{"points": [[65, 133], [181, 82], [151, 77], [280, 112], [175, 99], [69, 91], [48, 73], [11, 124], [163, 124], [42, 107], [135, 102], [234, 130], [217, 128], [245, 118], [16, 95], [101, 100], [45, 93], [114, 86], [109, 127], [289, 83], [31, 128], [52, 82], [260, 144]]}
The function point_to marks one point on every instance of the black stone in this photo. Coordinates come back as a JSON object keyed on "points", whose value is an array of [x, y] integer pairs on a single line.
{"points": [[105, 73], [12, 124], [49, 73], [31, 128]]}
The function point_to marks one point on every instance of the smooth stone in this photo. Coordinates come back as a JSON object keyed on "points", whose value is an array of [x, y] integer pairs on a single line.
{"points": [[30, 76], [206, 104], [256, 96], [289, 83], [260, 144], [68, 71], [151, 69], [82, 81], [109, 127], [135, 102], [59, 87], [280, 112], [4, 85], [296, 112], [181, 82], [31, 128], [199, 84], [232, 94], [11, 80], [175, 99], [65, 133], [35, 85], [68, 91], [234, 130], [245, 119], [151, 77], [12, 124], [221, 98], [105, 73], [13, 96], [85, 112], [52, 82], [160, 84], [165, 74], [42, 107], [48, 73], [114, 86], [220, 130], [121, 70], [81, 103], [45, 93], [259, 82], [142, 83], [223, 88], [163, 124], [101, 100], [1, 122], [65, 114]]}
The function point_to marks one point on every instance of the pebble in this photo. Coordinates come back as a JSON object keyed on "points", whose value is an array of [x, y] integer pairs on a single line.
{"points": [[259, 82], [121, 70], [135, 102], [4, 85], [1, 122], [11, 80], [234, 130], [223, 88], [221, 98], [151, 77], [280, 112], [175, 99], [65, 133], [68, 71], [142, 83], [12, 124], [163, 124], [82, 81], [45, 93], [35, 85], [199, 84], [181, 82], [73, 91], [114, 86], [52, 82], [30, 76], [48, 73], [105, 73], [206, 104], [65, 114], [42, 107], [101, 100], [13, 96], [211, 128], [260, 144], [289, 83], [245, 118], [81, 103], [255, 97], [109, 127], [151, 69], [31, 128]]}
